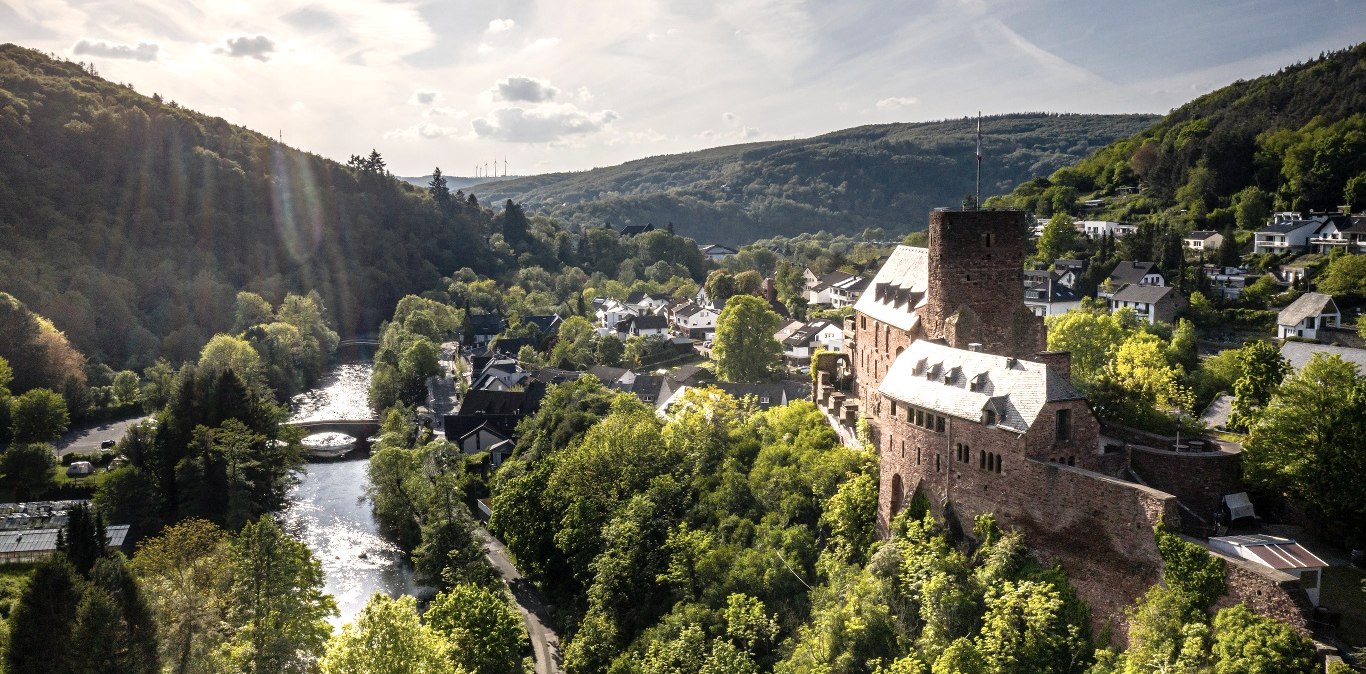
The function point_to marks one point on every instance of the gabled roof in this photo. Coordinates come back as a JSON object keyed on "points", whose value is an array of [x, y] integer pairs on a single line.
{"points": [[1132, 271], [802, 336], [646, 322], [555, 375], [1016, 389], [716, 249], [898, 288], [852, 284], [1308, 304], [1288, 227], [1074, 265], [1200, 235], [485, 427], [608, 374], [637, 229], [1273, 551], [1145, 294], [480, 401], [545, 323], [1050, 290]]}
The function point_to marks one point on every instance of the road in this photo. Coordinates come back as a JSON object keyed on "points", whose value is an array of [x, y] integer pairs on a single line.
{"points": [[545, 645], [87, 440]]}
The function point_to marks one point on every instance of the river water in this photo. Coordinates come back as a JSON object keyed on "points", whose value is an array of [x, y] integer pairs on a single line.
{"points": [[328, 509]]}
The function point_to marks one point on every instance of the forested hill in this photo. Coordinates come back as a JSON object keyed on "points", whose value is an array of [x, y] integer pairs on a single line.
{"points": [[1292, 140], [885, 176], [131, 222]]}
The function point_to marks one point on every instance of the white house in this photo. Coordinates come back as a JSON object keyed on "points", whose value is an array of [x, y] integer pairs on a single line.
{"points": [[799, 344], [1287, 232], [646, 303], [1340, 232], [1203, 240], [648, 325], [486, 438], [1307, 315], [818, 291], [697, 322], [1094, 229], [1132, 272], [1050, 297], [716, 252], [613, 312], [1154, 304], [845, 293]]}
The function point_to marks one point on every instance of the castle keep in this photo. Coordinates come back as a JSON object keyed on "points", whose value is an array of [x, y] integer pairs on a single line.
{"points": [[968, 410]]}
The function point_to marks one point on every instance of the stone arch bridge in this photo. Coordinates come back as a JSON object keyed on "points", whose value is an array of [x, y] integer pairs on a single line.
{"points": [[359, 429]]}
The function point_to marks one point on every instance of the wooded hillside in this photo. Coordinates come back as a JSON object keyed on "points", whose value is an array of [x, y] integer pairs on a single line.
{"points": [[132, 222], [886, 176]]}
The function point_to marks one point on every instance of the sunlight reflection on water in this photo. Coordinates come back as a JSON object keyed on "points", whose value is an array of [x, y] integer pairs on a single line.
{"points": [[328, 509]]}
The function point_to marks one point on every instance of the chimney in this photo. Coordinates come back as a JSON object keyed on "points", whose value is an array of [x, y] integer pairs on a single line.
{"points": [[770, 289], [1057, 361], [975, 347]]}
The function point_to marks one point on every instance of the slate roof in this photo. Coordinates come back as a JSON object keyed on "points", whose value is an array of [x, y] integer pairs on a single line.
{"points": [[687, 374], [1075, 265], [487, 324], [554, 375], [608, 374], [1299, 353], [1308, 304], [1050, 290], [545, 324], [633, 230], [481, 401], [802, 336], [1132, 271], [1016, 389], [1200, 235], [716, 248], [490, 428], [1147, 294], [646, 322], [898, 288]]}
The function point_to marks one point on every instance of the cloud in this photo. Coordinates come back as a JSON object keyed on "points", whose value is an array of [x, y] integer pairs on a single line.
{"points": [[501, 25], [543, 125], [259, 47], [526, 89], [896, 102], [728, 117], [424, 97], [142, 51], [421, 130], [485, 48], [297, 106], [543, 43], [444, 112]]}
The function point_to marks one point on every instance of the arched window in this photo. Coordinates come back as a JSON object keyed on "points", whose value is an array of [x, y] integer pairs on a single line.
{"points": [[898, 494]]}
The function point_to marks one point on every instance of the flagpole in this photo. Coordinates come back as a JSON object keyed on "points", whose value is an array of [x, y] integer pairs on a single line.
{"points": [[978, 203]]}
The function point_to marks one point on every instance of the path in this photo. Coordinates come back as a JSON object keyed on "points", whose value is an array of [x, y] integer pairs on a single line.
{"points": [[545, 645]]}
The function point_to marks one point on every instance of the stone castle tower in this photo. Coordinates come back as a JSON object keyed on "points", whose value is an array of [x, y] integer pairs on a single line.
{"points": [[975, 282]]}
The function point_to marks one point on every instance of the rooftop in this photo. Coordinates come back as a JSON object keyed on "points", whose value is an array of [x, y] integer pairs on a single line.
{"points": [[898, 288], [1308, 304]]}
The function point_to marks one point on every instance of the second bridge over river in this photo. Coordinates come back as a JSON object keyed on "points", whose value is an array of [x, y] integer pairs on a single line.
{"points": [[359, 429]]}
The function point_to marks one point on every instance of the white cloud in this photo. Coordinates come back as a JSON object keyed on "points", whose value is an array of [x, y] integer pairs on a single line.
{"points": [[142, 51], [484, 49], [444, 112], [297, 106], [543, 43], [896, 102], [421, 130], [425, 97], [547, 124], [524, 89], [501, 25], [259, 47]]}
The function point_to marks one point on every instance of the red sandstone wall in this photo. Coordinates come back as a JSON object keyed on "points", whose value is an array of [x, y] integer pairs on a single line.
{"points": [[876, 345], [1266, 591], [1198, 479]]}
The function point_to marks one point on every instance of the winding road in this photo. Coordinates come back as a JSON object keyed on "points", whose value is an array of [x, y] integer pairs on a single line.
{"points": [[545, 645]]}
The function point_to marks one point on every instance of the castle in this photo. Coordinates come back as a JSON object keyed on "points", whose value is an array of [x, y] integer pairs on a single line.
{"points": [[968, 410]]}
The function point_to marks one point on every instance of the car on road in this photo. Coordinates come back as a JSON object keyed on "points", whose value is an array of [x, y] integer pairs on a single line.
{"points": [[108, 444]]}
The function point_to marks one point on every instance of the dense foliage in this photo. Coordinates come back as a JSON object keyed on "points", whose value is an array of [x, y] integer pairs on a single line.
{"points": [[1293, 140], [845, 181]]}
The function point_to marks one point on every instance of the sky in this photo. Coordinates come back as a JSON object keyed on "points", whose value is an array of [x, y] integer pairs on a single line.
{"points": [[569, 85]]}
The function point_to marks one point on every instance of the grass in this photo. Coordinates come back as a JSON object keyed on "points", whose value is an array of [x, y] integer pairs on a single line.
{"points": [[13, 582], [1343, 592]]}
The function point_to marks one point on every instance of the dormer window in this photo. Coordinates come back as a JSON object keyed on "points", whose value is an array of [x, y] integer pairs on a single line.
{"points": [[989, 417], [978, 383]]}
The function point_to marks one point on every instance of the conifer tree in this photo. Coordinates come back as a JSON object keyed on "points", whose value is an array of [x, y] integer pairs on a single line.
{"points": [[41, 625]]}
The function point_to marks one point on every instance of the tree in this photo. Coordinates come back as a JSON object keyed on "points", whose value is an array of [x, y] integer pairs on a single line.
{"points": [[1261, 369], [441, 194], [387, 638], [720, 285], [574, 346], [279, 611], [1059, 237], [1229, 255], [226, 353], [84, 540], [126, 391], [28, 468], [1182, 350], [129, 634], [40, 415], [185, 574], [250, 309], [1345, 275], [744, 348], [485, 633], [1092, 334], [1139, 381], [514, 223], [42, 621], [1247, 643], [1025, 630], [1306, 441]]}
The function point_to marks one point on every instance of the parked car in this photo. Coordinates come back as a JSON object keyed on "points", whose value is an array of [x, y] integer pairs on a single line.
{"points": [[108, 444]]}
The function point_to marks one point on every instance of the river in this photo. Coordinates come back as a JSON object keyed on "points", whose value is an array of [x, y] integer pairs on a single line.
{"points": [[328, 509]]}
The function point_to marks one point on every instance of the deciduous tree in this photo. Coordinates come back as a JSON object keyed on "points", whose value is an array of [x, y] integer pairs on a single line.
{"points": [[185, 572], [388, 638], [744, 348], [485, 633], [39, 415]]}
